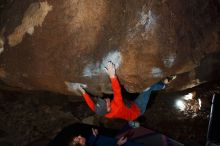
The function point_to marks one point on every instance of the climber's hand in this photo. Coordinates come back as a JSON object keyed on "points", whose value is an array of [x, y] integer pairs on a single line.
{"points": [[110, 69], [82, 90]]}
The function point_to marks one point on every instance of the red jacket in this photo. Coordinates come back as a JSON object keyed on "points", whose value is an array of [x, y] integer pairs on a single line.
{"points": [[118, 108]]}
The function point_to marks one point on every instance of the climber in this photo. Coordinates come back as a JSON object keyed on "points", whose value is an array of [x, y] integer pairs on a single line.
{"points": [[116, 108]]}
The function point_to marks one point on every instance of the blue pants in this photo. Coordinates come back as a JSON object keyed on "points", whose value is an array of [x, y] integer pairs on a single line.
{"points": [[143, 98]]}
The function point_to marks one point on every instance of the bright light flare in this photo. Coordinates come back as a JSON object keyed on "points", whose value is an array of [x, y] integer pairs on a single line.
{"points": [[189, 105], [180, 105], [200, 103]]}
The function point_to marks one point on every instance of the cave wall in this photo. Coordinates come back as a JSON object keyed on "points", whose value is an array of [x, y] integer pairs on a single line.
{"points": [[45, 44]]}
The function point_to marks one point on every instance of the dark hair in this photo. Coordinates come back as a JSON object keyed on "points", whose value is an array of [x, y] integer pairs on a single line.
{"points": [[110, 96], [71, 143], [75, 130]]}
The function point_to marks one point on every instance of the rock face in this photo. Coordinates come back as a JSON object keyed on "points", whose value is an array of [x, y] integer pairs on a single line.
{"points": [[32, 117], [45, 43]]}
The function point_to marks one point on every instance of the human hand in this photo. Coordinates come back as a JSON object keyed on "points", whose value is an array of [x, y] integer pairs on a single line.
{"points": [[95, 132], [82, 90], [110, 69], [122, 141]]}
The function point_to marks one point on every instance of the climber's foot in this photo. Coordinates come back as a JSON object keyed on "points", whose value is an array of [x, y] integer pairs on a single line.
{"points": [[169, 79]]}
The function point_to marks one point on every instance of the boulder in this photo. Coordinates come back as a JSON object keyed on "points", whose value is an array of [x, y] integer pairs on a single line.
{"points": [[46, 44]]}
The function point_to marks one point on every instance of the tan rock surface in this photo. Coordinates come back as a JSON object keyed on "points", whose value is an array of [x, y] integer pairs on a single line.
{"points": [[72, 40]]}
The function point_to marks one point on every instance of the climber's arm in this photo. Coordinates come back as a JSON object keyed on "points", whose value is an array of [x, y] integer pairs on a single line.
{"points": [[110, 69], [87, 99]]}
